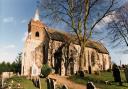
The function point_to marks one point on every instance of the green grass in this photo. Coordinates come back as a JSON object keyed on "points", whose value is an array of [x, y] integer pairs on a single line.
{"points": [[26, 83], [99, 80], [43, 83]]}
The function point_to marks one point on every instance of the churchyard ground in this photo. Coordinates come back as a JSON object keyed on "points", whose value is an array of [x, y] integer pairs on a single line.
{"points": [[103, 81], [98, 80], [24, 83]]}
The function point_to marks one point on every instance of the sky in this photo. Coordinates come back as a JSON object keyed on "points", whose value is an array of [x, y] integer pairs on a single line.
{"points": [[14, 18]]}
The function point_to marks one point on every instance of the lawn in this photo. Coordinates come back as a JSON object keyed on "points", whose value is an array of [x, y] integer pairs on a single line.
{"points": [[25, 83], [43, 83], [99, 80]]}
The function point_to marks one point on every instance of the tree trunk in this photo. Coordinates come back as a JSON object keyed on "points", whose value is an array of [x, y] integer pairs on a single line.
{"points": [[81, 57]]}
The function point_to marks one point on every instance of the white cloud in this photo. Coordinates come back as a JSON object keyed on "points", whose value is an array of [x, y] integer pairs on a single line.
{"points": [[25, 36], [103, 23], [108, 18], [10, 46], [8, 19]]}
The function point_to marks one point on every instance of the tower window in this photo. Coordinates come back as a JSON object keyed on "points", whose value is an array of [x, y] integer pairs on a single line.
{"points": [[37, 34]]}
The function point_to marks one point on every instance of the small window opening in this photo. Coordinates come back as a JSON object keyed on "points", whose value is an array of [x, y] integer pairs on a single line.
{"points": [[37, 34]]}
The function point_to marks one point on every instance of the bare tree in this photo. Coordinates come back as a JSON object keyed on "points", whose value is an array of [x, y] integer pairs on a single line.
{"points": [[81, 16], [118, 27]]}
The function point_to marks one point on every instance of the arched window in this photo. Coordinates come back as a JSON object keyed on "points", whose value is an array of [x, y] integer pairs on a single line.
{"points": [[93, 58], [37, 34]]}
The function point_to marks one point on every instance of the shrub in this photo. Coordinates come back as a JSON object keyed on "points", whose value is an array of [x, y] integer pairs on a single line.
{"points": [[109, 70], [46, 70]]}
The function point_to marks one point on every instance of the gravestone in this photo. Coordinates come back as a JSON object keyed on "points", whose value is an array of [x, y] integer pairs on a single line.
{"points": [[64, 87], [53, 84], [5, 75], [40, 83], [48, 83], [90, 85], [36, 82], [116, 74], [81, 73], [126, 73]]}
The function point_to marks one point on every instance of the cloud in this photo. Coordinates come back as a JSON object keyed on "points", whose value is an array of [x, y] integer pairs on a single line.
{"points": [[8, 19], [108, 18], [10, 46], [23, 21], [103, 22], [25, 36]]}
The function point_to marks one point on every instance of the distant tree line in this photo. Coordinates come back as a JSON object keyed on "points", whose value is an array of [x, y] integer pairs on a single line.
{"points": [[15, 66]]}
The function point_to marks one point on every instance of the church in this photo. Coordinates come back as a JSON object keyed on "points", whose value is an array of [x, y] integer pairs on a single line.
{"points": [[45, 45]]}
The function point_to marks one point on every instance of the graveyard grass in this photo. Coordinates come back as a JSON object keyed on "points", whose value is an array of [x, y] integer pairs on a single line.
{"points": [[99, 80], [26, 83]]}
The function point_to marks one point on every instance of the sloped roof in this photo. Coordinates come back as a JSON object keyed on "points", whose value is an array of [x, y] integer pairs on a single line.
{"points": [[64, 37], [58, 35], [97, 45]]}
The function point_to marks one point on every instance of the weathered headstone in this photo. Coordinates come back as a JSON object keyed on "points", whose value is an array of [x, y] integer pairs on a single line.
{"points": [[53, 84], [126, 73], [90, 85], [116, 74], [2, 81], [48, 83], [36, 81], [81, 73], [7, 74], [4, 76], [64, 87], [39, 83]]}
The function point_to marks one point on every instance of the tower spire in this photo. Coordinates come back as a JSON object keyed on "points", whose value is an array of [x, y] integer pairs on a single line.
{"points": [[36, 16]]}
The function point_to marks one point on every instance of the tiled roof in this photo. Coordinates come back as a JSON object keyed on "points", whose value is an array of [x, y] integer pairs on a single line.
{"points": [[65, 37]]}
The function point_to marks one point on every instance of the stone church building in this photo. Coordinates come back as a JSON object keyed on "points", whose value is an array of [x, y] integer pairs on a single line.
{"points": [[45, 45]]}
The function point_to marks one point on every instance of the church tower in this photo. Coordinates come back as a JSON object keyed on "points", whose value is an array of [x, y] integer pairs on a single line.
{"points": [[36, 36], [36, 28]]}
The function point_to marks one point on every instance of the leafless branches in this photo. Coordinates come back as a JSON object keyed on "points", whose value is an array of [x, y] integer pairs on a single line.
{"points": [[118, 27], [81, 16]]}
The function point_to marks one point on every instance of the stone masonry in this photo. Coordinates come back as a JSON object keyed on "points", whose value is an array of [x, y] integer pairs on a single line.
{"points": [[45, 45]]}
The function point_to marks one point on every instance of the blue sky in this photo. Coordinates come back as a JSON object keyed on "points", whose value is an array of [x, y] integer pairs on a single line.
{"points": [[14, 18]]}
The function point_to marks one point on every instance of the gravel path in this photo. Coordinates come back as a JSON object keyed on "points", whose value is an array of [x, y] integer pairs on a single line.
{"points": [[64, 80]]}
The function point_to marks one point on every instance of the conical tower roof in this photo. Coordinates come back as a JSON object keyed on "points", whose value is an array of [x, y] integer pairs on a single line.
{"points": [[37, 15]]}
